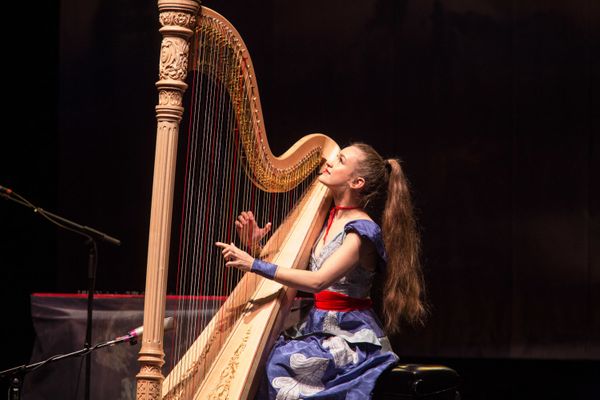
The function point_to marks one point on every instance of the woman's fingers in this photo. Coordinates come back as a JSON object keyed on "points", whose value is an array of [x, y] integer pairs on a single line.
{"points": [[226, 247], [228, 251], [245, 215], [267, 228], [239, 228], [235, 257]]}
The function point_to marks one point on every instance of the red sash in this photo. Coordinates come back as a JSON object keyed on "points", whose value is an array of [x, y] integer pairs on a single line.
{"points": [[333, 301]]}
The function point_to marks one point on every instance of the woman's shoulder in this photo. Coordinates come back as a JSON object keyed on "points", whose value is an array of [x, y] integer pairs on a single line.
{"points": [[365, 227], [368, 229]]}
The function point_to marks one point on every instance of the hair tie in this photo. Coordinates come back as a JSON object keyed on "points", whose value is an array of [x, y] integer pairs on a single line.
{"points": [[388, 166]]}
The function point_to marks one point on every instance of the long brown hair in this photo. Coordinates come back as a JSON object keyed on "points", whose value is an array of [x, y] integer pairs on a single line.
{"points": [[403, 290]]}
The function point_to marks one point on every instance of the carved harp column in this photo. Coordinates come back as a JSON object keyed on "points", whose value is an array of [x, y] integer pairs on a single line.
{"points": [[178, 19]]}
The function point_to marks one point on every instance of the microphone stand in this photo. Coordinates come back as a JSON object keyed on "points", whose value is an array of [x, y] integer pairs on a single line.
{"points": [[91, 235], [17, 374]]}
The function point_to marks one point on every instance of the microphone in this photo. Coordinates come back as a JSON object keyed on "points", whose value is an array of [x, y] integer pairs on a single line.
{"points": [[169, 323], [5, 190]]}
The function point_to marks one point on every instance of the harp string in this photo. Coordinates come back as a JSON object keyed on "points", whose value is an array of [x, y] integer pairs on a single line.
{"points": [[186, 215], [188, 274]]}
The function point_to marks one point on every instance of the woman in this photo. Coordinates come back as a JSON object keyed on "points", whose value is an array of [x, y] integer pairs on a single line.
{"points": [[339, 350]]}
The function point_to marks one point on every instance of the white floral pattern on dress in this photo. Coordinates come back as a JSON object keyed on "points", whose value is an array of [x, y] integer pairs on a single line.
{"points": [[341, 352], [307, 379], [332, 326]]}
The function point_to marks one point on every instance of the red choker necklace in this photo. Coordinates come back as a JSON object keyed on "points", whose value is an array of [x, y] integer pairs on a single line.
{"points": [[332, 213]]}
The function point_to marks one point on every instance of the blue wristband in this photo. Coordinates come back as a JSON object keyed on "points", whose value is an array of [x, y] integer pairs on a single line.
{"points": [[263, 268]]}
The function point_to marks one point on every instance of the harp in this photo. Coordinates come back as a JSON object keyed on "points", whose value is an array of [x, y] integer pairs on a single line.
{"points": [[220, 358]]}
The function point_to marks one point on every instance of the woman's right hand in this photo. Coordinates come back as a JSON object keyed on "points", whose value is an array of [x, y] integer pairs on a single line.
{"points": [[249, 231]]}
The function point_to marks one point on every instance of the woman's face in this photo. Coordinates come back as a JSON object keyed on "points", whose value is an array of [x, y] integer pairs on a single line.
{"points": [[341, 172]]}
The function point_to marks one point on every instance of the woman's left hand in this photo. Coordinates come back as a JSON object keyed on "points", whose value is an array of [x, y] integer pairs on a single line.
{"points": [[236, 257]]}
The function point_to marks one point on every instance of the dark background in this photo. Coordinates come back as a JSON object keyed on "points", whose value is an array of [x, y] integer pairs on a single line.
{"points": [[492, 106]]}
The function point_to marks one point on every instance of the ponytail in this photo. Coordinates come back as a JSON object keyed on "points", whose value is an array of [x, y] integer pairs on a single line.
{"points": [[403, 289], [404, 283]]}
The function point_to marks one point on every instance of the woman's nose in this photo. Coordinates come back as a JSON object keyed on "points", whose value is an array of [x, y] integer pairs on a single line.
{"points": [[329, 164]]}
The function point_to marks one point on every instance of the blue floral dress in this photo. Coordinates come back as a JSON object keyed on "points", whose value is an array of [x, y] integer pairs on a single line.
{"points": [[333, 354]]}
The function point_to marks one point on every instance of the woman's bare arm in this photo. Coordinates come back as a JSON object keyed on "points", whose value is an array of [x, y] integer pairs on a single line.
{"points": [[335, 267]]}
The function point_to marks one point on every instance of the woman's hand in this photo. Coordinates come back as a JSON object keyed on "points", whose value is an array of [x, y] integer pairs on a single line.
{"points": [[249, 231], [236, 257]]}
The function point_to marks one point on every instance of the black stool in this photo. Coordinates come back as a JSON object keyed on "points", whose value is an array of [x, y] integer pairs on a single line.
{"points": [[418, 381]]}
